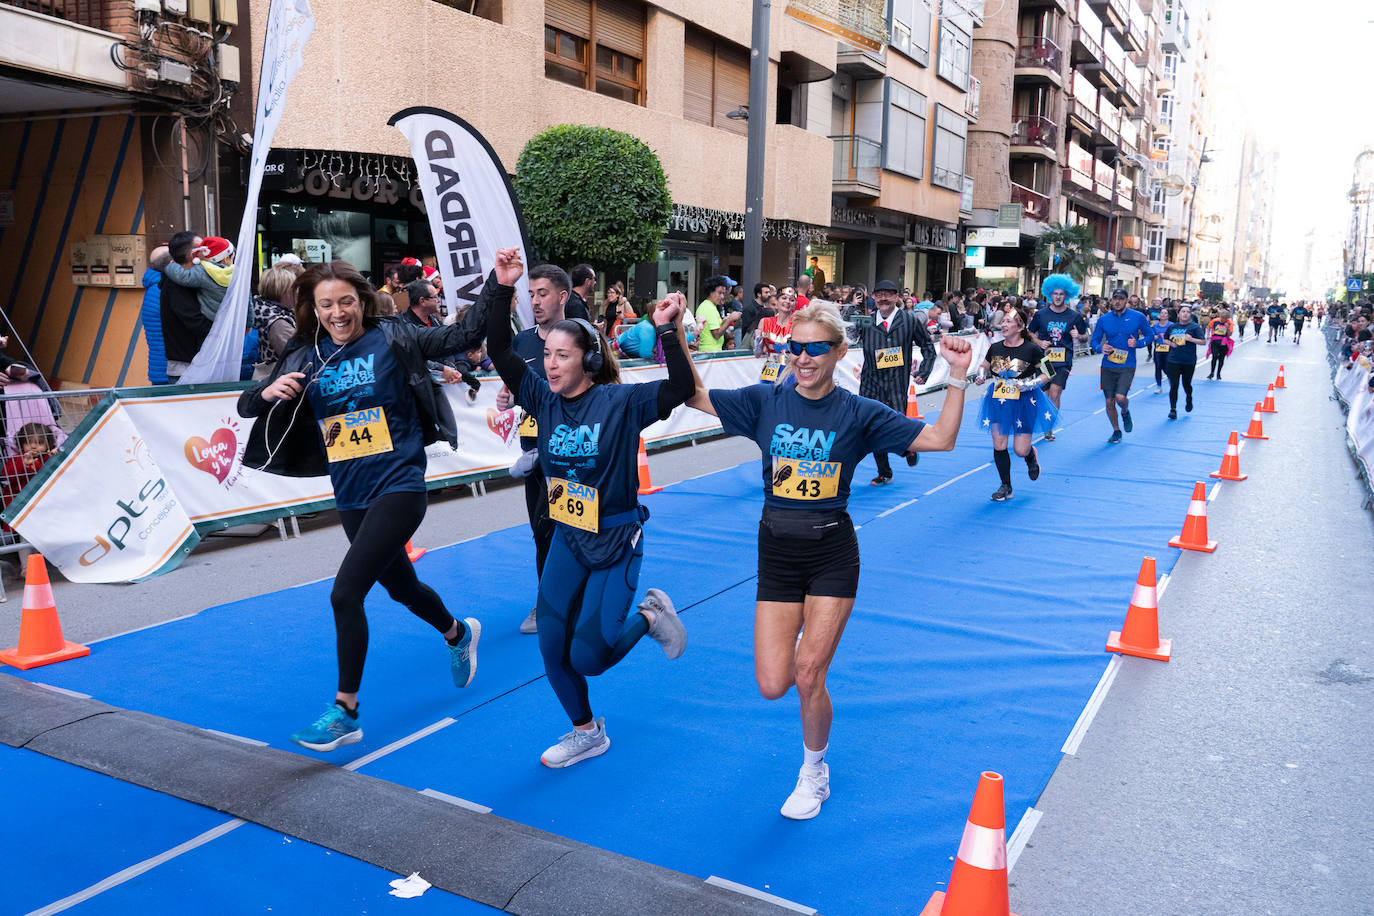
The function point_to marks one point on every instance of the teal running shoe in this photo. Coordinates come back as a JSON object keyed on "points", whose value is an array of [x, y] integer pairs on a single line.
{"points": [[463, 657], [333, 729]]}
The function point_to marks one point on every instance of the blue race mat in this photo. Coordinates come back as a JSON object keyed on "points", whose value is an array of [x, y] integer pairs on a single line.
{"points": [[975, 642]]}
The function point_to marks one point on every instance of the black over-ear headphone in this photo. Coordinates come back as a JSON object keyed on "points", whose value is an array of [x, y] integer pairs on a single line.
{"points": [[592, 360]]}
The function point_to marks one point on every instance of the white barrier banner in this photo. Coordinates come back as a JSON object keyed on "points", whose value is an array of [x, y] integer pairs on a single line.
{"points": [[199, 480], [1359, 422], [102, 510]]}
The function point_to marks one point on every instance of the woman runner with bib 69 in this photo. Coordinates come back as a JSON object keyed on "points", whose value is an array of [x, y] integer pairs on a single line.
{"points": [[813, 434], [365, 408], [589, 428]]}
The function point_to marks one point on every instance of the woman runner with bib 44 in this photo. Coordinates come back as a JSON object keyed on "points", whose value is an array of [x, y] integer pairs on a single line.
{"points": [[589, 428], [812, 435], [365, 408]]}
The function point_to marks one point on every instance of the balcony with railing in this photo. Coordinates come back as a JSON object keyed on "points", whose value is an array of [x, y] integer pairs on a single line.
{"points": [[1113, 12], [1039, 58], [1079, 171], [858, 166], [1109, 128], [1087, 45], [90, 13], [1103, 177], [1033, 203], [1034, 135], [1125, 192]]}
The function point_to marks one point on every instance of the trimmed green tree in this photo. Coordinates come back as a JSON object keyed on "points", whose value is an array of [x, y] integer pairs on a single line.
{"points": [[592, 194]]}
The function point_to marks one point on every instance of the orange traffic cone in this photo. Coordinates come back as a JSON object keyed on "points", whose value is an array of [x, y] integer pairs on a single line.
{"points": [[913, 409], [1256, 430], [1139, 635], [40, 632], [414, 553], [1230, 462], [1194, 535], [978, 884], [1278, 382], [1268, 405], [646, 485]]}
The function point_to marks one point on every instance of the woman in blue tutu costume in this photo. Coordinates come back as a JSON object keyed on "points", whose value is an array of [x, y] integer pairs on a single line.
{"points": [[1015, 408]]}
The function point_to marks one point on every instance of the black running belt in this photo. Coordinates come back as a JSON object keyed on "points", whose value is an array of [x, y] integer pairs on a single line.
{"points": [[483, 857]]}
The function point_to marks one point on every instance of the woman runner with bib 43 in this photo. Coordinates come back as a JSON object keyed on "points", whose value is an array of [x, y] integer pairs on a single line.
{"points": [[364, 409], [812, 435], [589, 428]]}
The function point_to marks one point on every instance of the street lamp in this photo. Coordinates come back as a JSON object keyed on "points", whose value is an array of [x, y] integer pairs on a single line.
{"points": [[1192, 202]]}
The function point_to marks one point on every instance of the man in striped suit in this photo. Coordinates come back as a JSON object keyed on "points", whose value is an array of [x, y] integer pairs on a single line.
{"points": [[889, 346]]}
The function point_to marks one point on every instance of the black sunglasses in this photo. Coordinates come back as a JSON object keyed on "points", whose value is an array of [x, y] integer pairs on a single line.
{"points": [[812, 348]]}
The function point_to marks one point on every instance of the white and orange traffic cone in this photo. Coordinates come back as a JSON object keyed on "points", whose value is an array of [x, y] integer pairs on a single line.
{"points": [[1278, 382], [1194, 534], [1256, 430], [40, 632], [414, 553], [646, 484], [1268, 405], [913, 409], [978, 883], [1139, 635], [1230, 462]]}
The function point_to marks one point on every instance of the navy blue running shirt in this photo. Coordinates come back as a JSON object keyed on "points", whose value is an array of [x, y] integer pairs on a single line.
{"points": [[814, 446], [1053, 328], [593, 439], [357, 387]]}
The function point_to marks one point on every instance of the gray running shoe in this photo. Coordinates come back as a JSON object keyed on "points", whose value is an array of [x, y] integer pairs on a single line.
{"points": [[667, 629], [577, 745], [530, 624], [1115, 436], [813, 788]]}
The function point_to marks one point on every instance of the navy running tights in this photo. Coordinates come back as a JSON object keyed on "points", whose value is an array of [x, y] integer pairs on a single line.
{"points": [[582, 621], [377, 539]]}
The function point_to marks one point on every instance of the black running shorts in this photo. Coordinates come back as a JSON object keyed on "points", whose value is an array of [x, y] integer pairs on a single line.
{"points": [[790, 568], [1117, 380], [1061, 376]]}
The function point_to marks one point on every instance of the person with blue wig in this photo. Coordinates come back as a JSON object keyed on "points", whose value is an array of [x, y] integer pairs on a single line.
{"points": [[1055, 329]]}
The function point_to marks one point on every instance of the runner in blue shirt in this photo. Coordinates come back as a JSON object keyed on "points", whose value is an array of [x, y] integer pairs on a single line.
{"points": [[1300, 313], [1119, 333], [1276, 319], [1184, 336], [588, 429], [812, 435]]}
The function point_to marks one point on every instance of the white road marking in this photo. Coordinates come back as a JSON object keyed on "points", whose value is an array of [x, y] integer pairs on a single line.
{"points": [[1085, 718], [748, 891], [455, 800], [1021, 836]]}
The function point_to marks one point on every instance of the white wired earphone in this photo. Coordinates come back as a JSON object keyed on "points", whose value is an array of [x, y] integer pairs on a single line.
{"points": [[309, 380]]}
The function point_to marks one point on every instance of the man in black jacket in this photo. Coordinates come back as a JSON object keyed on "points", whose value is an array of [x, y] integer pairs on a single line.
{"points": [[184, 327], [889, 346], [583, 289]]}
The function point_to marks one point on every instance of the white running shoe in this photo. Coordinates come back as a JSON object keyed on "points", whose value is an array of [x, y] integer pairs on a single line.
{"points": [[531, 623], [667, 629], [813, 787], [577, 745]]}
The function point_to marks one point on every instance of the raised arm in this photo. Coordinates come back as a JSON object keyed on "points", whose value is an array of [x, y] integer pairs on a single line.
{"points": [[681, 383], [508, 365], [463, 335], [941, 435]]}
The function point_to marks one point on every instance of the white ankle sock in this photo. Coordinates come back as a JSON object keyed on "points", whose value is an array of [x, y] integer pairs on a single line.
{"points": [[813, 759]]}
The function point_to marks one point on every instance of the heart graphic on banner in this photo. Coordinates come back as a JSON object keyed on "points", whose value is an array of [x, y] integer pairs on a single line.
{"points": [[501, 422], [215, 457]]}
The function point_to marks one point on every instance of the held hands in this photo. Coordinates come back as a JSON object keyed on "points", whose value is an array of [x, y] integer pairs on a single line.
{"points": [[509, 267], [669, 310], [286, 388], [957, 353]]}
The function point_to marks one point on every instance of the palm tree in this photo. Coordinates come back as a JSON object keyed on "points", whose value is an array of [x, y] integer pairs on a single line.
{"points": [[1071, 248]]}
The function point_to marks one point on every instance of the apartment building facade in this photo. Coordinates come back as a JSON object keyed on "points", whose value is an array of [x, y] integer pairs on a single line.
{"points": [[117, 127]]}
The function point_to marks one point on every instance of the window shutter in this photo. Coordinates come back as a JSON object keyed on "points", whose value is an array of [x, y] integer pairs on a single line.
{"points": [[620, 25], [573, 16], [698, 64], [732, 85]]}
